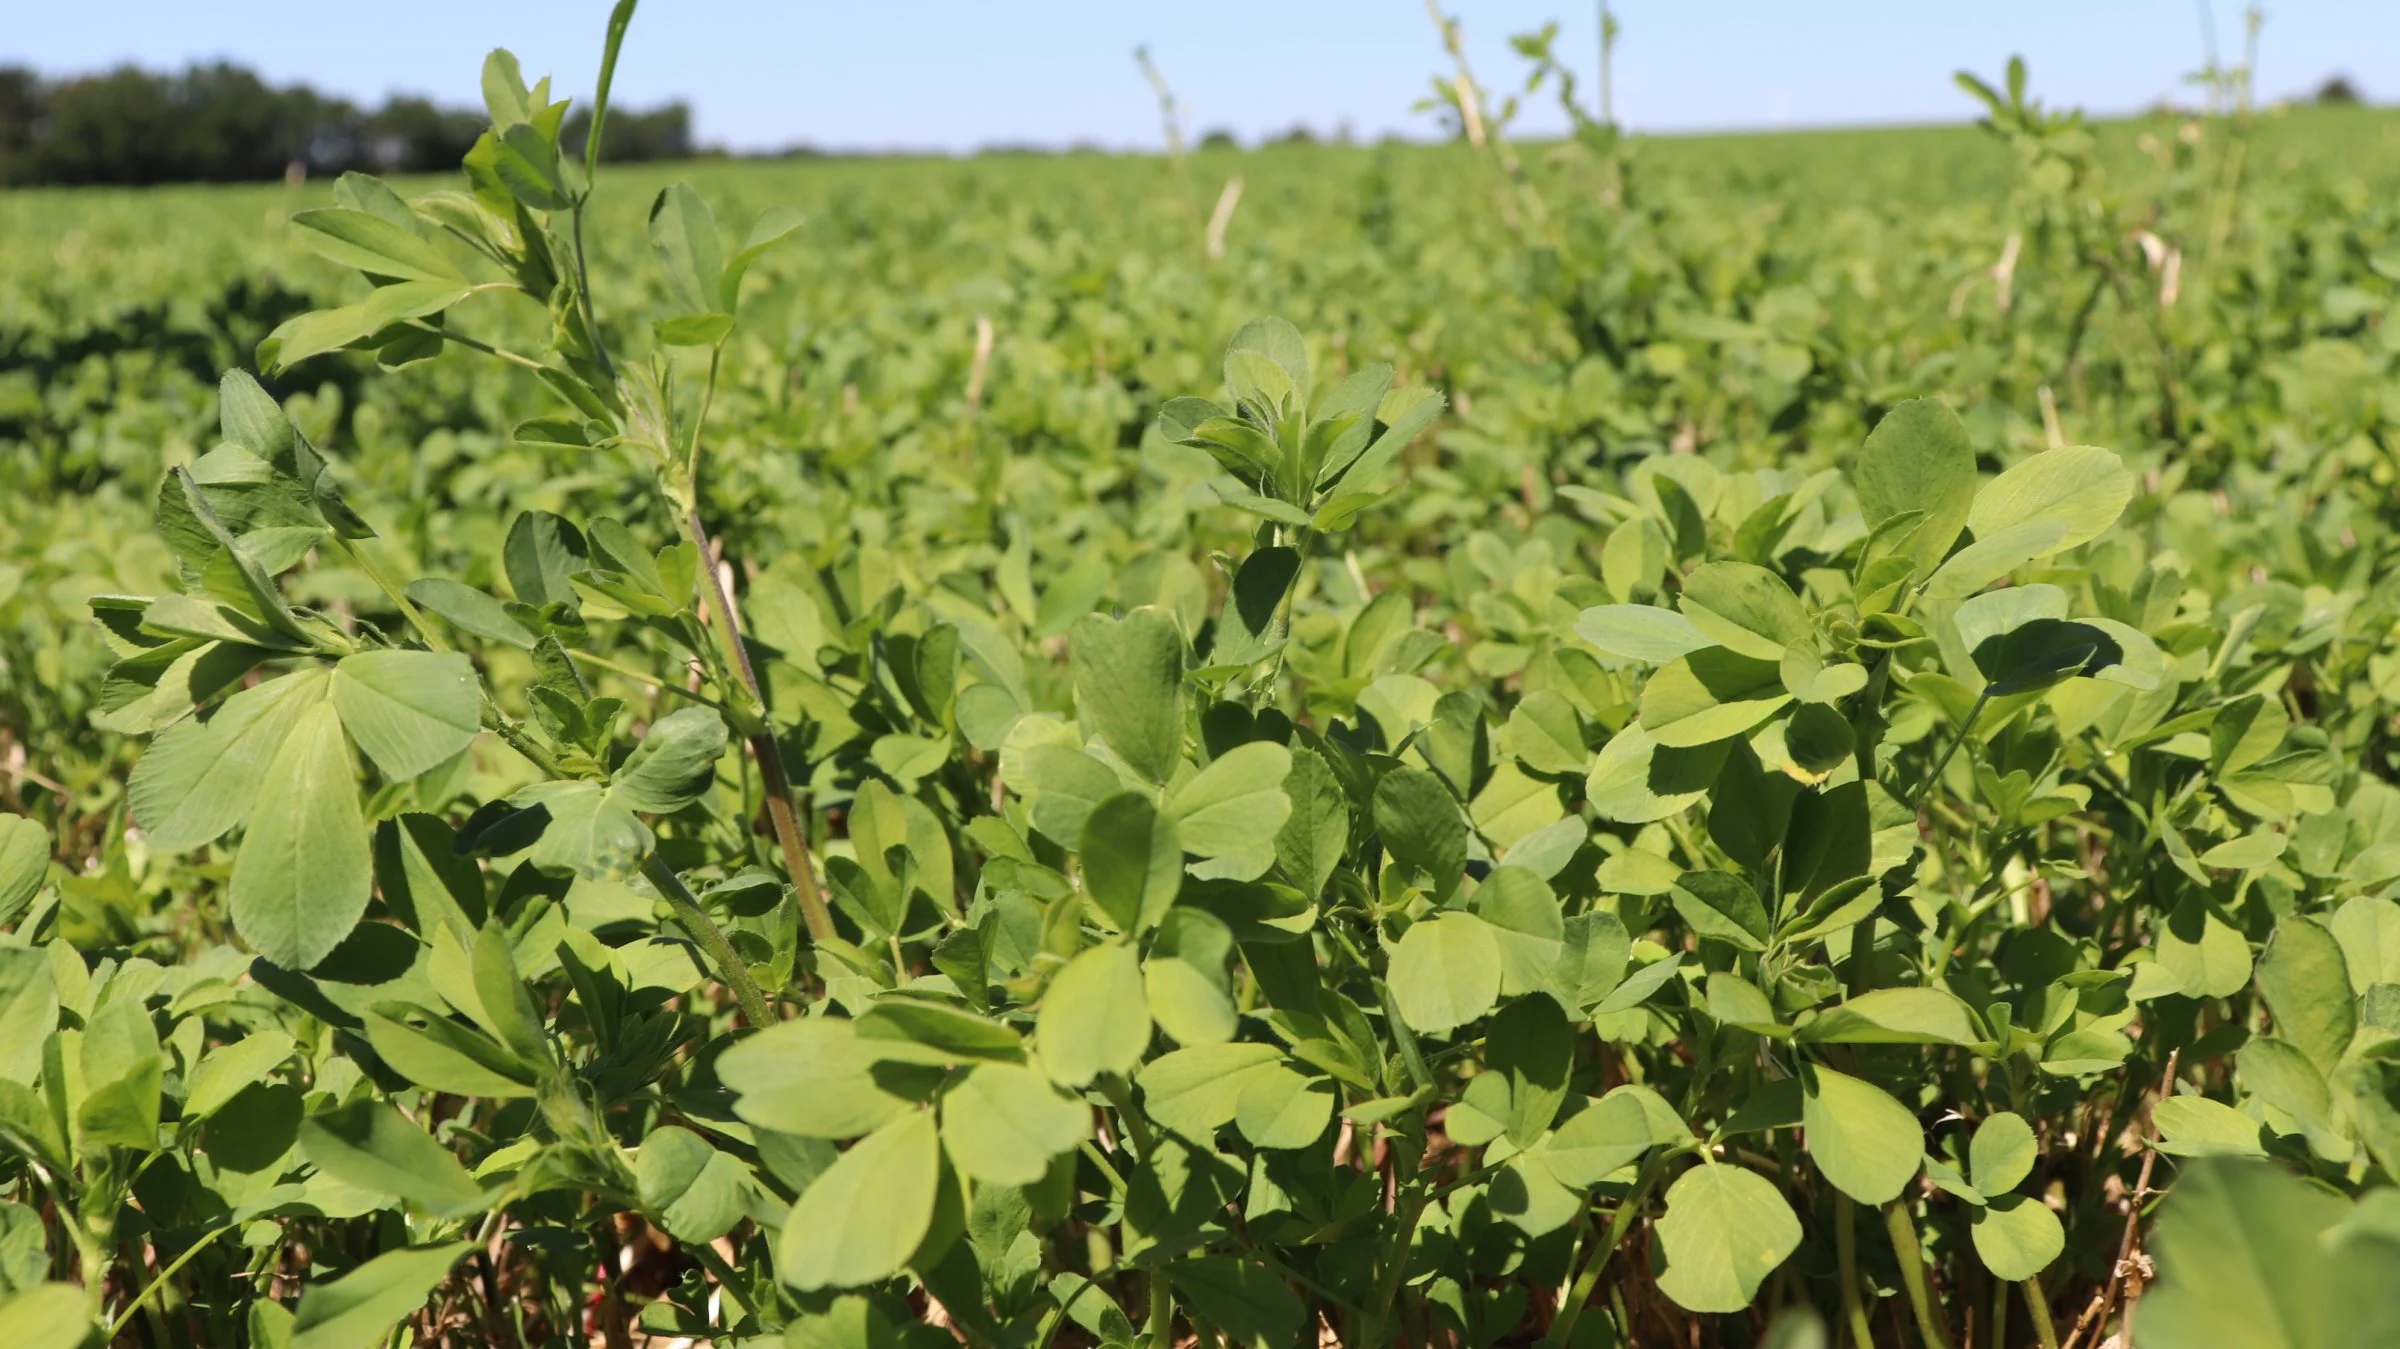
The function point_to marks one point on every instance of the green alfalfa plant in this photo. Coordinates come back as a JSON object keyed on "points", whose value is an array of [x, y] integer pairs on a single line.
{"points": [[1791, 809]]}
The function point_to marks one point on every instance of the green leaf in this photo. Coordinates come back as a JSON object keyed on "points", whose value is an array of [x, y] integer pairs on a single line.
{"points": [[357, 1310], [585, 830], [198, 779], [1526, 922], [1918, 459], [1197, 1090], [375, 245], [814, 1077], [2243, 1259], [1186, 1003], [1419, 822], [2042, 653], [1241, 1298], [1281, 1109], [1253, 623], [2206, 956], [1635, 780], [370, 1145], [1531, 1045], [1236, 805], [1897, 1016], [302, 878], [1064, 785], [1710, 695], [948, 1034], [773, 226], [862, 1219], [2079, 488], [470, 610], [1129, 687], [1720, 904], [408, 711], [674, 764], [1864, 1142], [24, 863], [227, 1069], [695, 1191], [1638, 986], [2002, 1154], [543, 553], [1445, 972], [121, 1112], [1640, 632], [1004, 1123], [2195, 1126], [1094, 1018], [683, 235], [2018, 1237], [1746, 609], [2306, 982], [1314, 836], [48, 1316], [439, 1054], [1724, 1232], [1607, 1135], [1132, 862], [28, 1012]]}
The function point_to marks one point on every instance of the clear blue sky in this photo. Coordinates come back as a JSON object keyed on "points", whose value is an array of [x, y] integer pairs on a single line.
{"points": [[952, 75]]}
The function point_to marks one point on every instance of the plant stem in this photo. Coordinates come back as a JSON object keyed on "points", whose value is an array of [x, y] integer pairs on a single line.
{"points": [[763, 746], [125, 1317], [1387, 1281], [392, 591], [653, 681], [583, 284], [1580, 1292], [453, 335], [1161, 1330], [1903, 1228], [1964, 729], [2038, 1304], [2000, 1316], [712, 940], [517, 739], [1854, 1308], [717, 1269]]}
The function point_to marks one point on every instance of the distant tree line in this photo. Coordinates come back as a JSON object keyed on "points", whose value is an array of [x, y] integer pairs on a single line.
{"points": [[222, 123]]}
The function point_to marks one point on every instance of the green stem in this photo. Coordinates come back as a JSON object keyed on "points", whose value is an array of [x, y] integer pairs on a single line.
{"points": [[583, 285], [1041, 1339], [125, 1317], [520, 740], [1862, 956], [2038, 1303], [1903, 1230], [392, 591], [712, 940], [1580, 1292], [1137, 1129], [1854, 1307], [718, 1270], [2000, 1316], [1410, 1053], [449, 334], [1387, 1282], [627, 671], [1161, 1331], [1955, 741], [781, 813], [708, 396]]}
